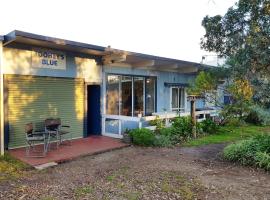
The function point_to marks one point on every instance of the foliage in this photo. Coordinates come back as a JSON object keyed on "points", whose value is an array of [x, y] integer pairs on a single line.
{"points": [[254, 151], [241, 89], [263, 160], [143, 137], [162, 140], [10, 167], [203, 83], [234, 121], [261, 91], [242, 34], [82, 191], [159, 123], [242, 92], [229, 134], [258, 116], [182, 128], [169, 132], [209, 126], [242, 152]]}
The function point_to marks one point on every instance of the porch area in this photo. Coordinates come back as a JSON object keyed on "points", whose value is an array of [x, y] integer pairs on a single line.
{"points": [[115, 125], [80, 147]]}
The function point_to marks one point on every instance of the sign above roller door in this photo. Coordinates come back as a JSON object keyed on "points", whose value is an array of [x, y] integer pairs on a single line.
{"points": [[46, 58]]}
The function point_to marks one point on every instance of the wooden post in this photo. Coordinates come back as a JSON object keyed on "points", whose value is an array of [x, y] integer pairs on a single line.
{"points": [[1, 101], [193, 116]]}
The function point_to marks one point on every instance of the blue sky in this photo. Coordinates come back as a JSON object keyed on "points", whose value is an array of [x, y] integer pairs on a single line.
{"points": [[169, 28]]}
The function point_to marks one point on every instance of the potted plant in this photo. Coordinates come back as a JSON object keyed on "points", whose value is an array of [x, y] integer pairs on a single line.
{"points": [[127, 138]]}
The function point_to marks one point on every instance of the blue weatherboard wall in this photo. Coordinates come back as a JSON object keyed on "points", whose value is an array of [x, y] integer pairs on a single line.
{"points": [[163, 93]]}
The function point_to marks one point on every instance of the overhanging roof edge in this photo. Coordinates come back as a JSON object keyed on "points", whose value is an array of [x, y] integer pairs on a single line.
{"points": [[15, 34], [12, 36]]}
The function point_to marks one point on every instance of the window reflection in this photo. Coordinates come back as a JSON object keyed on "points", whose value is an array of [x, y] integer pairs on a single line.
{"points": [[138, 95], [126, 106], [178, 99], [150, 95], [130, 95], [112, 88]]}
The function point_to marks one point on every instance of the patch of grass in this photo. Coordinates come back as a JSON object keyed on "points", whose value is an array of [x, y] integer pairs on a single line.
{"points": [[165, 187], [47, 198], [120, 172], [82, 191], [229, 134], [11, 168], [186, 193], [111, 177], [133, 195], [174, 183]]}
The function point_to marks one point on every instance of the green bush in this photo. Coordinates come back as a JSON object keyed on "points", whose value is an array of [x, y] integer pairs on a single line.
{"points": [[209, 126], [143, 137], [242, 152], [162, 141], [263, 160], [258, 116], [182, 127], [254, 151], [172, 134], [159, 123], [234, 121]]}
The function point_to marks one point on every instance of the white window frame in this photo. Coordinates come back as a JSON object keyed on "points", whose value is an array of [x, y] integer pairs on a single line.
{"points": [[120, 93], [183, 95]]}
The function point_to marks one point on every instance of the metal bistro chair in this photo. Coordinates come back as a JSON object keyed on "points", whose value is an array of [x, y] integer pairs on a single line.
{"points": [[35, 137], [64, 129], [52, 130]]}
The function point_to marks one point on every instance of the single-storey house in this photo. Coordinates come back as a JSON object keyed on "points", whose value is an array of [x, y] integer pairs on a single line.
{"points": [[98, 90]]}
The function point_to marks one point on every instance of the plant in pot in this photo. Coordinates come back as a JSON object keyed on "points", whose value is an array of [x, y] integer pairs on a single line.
{"points": [[127, 138]]}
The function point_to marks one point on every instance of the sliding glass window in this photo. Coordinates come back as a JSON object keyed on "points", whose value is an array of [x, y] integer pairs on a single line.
{"points": [[130, 95], [150, 95], [126, 94], [138, 96], [112, 95], [178, 99]]}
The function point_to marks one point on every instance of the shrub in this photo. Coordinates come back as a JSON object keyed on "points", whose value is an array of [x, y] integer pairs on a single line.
{"points": [[242, 152], [172, 134], [162, 141], [143, 137], [182, 127], [159, 123], [263, 160], [234, 121], [258, 116], [209, 126], [254, 151]]}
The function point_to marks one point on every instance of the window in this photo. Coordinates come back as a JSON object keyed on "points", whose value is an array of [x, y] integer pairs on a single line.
{"points": [[150, 95], [178, 99], [138, 95], [113, 91], [130, 95], [126, 86]]}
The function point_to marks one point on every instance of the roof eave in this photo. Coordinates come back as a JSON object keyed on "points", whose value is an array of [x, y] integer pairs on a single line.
{"points": [[25, 38]]}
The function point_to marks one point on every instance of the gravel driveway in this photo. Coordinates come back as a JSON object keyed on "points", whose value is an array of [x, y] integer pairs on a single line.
{"points": [[143, 173]]}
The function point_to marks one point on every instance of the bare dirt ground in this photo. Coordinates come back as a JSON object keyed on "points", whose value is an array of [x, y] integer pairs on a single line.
{"points": [[143, 173]]}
